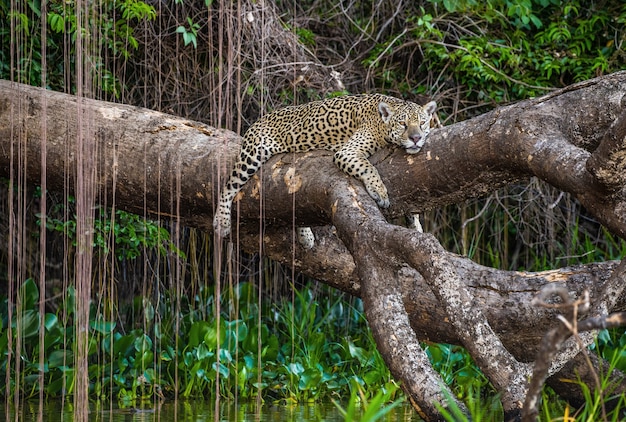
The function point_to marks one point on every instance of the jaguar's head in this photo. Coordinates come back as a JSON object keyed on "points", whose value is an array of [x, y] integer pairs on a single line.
{"points": [[408, 124]]}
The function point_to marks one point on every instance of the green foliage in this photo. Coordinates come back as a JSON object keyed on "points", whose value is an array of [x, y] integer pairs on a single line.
{"points": [[465, 380], [456, 367], [611, 346], [310, 364], [57, 346], [469, 385], [479, 408], [502, 50], [246, 352], [362, 409], [189, 32], [127, 235], [114, 21]]}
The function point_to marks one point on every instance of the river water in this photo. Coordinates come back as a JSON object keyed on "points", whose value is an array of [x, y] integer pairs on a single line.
{"points": [[190, 411]]}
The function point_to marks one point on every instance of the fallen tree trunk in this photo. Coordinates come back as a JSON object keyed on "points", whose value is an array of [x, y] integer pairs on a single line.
{"points": [[413, 289]]}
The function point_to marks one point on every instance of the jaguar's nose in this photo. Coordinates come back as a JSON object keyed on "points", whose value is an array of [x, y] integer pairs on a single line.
{"points": [[416, 138]]}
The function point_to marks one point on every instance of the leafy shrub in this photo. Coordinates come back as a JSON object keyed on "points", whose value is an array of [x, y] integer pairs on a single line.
{"points": [[128, 234], [500, 50]]}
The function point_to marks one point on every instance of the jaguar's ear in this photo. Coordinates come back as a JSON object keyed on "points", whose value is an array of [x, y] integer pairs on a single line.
{"points": [[385, 111], [430, 107]]}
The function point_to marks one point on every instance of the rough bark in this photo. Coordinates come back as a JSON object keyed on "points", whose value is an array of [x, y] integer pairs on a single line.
{"points": [[413, 289]]}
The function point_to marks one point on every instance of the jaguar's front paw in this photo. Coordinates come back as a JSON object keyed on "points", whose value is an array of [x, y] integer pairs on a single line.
{"points": [[380, 196]]}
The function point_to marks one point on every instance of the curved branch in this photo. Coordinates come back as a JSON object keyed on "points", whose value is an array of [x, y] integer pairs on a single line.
{"points": [[361, 226], [465, 312], [384, 307]]}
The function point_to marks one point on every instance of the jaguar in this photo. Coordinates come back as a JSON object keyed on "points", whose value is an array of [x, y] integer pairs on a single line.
{"points": [[352, 126]]}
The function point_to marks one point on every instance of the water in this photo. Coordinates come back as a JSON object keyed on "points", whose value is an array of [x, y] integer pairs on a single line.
{"points": [[190, 411]]}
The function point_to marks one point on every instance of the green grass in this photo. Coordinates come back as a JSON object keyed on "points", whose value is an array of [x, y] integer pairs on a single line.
{"points": [[369, 410]]}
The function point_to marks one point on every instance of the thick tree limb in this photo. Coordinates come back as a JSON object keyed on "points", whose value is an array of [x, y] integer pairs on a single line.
{"points": [[154, 163], [462, 161]]}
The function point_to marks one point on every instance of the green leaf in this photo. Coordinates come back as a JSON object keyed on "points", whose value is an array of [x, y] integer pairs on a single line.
{"points": [[250, 362], [51, 321], [202, 352], [29, 294], [450, 5], [237, 330], [536, 21], [60, 358], [358, 352], [197, 332], [103, 327], [295, 368], [56, 22], [123, 344], [210, 336], [310, 379], [223, 370], [29, 323], [143, 343], [56, 386]]}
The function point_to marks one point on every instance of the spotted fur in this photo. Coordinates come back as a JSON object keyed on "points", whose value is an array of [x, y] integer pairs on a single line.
{"points": [[354, 127]]}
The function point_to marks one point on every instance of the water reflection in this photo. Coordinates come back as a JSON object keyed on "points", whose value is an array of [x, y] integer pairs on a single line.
{"points": [[190, 411]]}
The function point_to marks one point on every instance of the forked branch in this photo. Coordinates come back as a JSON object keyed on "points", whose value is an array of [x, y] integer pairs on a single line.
{"points": [[355, 218], [380, 250]]}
